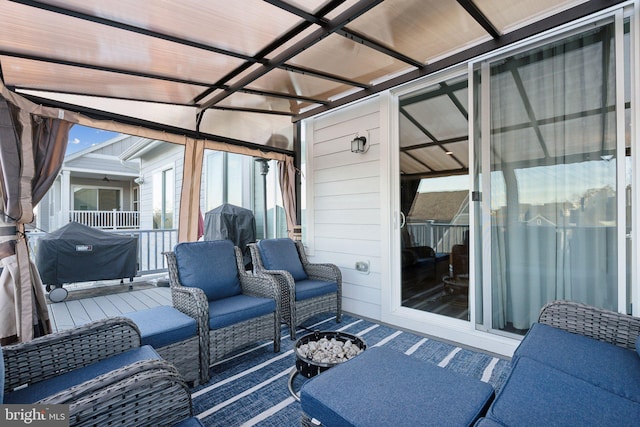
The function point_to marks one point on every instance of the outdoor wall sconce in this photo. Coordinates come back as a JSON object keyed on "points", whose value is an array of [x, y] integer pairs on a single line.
{"points": [[359, 143]]}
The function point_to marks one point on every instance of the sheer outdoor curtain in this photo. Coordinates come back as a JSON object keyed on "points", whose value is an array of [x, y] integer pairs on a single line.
{"points": [[553, 178]]}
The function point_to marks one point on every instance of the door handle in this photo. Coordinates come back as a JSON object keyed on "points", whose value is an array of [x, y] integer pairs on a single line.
{"points": [[403, 220]]}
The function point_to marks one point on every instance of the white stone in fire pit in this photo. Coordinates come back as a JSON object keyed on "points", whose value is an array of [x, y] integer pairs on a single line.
{"points": [[329, 350]]}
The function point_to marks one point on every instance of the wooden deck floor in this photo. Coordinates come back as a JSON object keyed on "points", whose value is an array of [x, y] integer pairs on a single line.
{"points": [[74, 312]]}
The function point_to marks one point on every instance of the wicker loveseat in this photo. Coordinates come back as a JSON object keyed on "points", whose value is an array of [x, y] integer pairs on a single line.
{"points": [[579, 365], [102, 373]]}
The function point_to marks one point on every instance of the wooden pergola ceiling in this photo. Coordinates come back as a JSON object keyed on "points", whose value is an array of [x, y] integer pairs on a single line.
{"points": [[245, 72]]}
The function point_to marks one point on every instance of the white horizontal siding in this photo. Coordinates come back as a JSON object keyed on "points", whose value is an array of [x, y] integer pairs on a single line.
{"points": [[344, 200]]}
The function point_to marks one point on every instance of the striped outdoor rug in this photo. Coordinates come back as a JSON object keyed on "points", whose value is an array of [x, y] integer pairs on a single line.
{"points": [[250, 388]]}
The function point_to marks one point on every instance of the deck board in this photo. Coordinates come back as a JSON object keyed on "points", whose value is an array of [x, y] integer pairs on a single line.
{"points": [[72, 313], [78, 313]]}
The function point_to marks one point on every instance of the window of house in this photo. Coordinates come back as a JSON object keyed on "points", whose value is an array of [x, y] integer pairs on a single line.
{"points": [[163, 199], [96, 199]]}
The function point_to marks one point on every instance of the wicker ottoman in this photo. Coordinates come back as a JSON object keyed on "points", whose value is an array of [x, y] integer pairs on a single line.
{"points": [[174, 335], [386, 387]]}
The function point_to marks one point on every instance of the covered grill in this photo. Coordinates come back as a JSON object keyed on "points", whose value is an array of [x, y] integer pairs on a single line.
{"points": [[230, 222], [77, 253]]}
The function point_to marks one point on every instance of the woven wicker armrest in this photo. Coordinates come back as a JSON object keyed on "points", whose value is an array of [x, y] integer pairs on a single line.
{"points": [[191, 301], [319, 271], [143, 394], [54, 354], [261, 286], [328, 272], [603, 325]]}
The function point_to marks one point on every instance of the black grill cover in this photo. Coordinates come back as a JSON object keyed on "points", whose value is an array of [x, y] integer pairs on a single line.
{"points": [[230, 222], [77, 253]]}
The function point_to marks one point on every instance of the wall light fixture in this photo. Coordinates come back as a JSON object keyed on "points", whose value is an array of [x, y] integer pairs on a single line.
{"points": [[359, 143]]}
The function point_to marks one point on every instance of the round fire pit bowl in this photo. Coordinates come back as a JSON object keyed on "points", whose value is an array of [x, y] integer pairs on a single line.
{"points": [[309, 368]]}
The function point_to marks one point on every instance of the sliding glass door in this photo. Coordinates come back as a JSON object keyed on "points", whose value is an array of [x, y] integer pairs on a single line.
{"points": [[434, 198], [515, 183]]}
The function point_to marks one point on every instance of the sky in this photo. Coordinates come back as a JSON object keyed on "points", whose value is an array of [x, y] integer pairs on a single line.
{"points": [[81, 137]]}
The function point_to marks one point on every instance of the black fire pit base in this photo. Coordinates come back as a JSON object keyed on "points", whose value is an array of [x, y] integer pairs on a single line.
{"points": [[308, 368]]}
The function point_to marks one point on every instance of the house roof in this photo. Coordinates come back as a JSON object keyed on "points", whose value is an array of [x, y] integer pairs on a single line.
{"points": [[438, 206], [242, 72]]}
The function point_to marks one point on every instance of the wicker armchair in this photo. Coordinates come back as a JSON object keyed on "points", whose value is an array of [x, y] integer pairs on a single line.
{"points": [[197, 267], [306, 289], [603, 325], [142, 393]]}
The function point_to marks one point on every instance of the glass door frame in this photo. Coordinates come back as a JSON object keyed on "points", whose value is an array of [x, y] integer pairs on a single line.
{"points": [[463, 331]]}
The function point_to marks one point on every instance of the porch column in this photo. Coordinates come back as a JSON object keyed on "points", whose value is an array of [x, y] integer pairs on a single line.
{"points": [[190, 194], [65, 199]]}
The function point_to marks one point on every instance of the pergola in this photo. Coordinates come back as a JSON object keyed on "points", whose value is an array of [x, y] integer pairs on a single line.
{"points": [[241, 76]]}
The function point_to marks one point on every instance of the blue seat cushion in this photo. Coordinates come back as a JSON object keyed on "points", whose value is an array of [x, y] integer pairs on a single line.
{"points": [[383, 387], [310, 288], [51, 386], [210, 266], [536, 394], [442, 256], [163, 325], [237, 309], [487, 422], [282, 254], [613, 368]]}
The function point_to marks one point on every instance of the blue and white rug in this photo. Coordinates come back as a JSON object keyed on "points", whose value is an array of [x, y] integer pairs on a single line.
{"points": [[251, 388]]}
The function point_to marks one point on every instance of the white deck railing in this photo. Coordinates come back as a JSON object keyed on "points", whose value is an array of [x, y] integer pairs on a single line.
{"points": [[112, 220]]}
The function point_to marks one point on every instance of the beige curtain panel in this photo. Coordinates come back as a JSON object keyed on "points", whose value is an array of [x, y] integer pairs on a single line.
{"points": [[31, 152]]}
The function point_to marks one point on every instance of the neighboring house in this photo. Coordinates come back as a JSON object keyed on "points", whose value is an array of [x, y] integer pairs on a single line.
{"points": [[95, 187]]}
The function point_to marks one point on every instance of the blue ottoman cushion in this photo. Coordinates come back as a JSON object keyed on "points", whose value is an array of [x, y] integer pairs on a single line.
{"points": [[282, 254], [238, 308], [613, 368], [385, 387], [310, 288], [210, 266], [163, 325], [537, 395], [48, 387]]}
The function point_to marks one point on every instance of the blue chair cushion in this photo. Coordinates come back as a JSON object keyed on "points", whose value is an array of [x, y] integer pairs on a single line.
{"points": [[310, 288], [210, 266], [282, 254], [383, 387], [613, 368], [48, 387], [487, 422], [239, 308], [163, 325], [535, 394], [638, 345]]}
